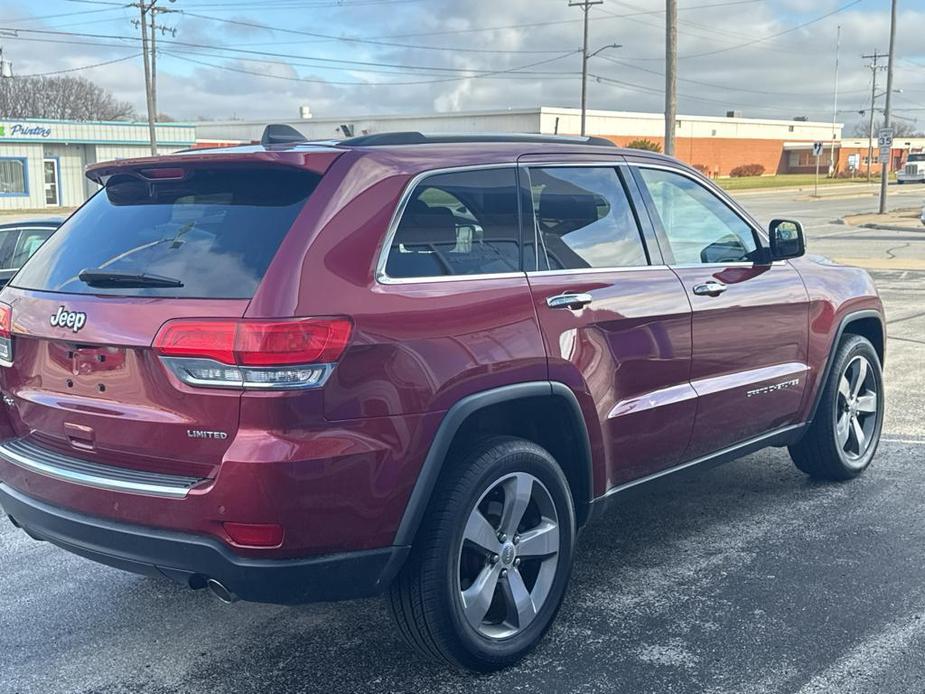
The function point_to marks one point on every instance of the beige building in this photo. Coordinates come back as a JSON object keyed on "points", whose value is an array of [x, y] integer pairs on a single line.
{"points": [[42, 161]]}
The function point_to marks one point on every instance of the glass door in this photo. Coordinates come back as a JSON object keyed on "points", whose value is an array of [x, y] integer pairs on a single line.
{"points": [[50, 167]]}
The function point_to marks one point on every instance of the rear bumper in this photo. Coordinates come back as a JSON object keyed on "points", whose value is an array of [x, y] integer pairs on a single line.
{"points": [[189, 559]]}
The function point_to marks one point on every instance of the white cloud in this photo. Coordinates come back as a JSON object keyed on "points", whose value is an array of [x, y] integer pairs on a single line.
{"points": [[785, 76]]}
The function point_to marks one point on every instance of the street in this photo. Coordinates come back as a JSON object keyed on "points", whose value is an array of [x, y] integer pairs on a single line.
{"points": [[745, 578]]}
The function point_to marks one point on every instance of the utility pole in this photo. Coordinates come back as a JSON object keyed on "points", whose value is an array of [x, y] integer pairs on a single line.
{"points": [[154, 29], [143, 9], [671, 70], [874, 67], [885, 166], [835, 104], [149, 63], [585, 5], [154, 60]]}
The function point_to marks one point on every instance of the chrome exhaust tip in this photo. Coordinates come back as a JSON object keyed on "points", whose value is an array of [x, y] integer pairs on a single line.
{"points": [[221, 592]]}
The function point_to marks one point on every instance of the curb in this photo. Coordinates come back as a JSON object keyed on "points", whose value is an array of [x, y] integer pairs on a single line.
{"points": [[892, 227]]}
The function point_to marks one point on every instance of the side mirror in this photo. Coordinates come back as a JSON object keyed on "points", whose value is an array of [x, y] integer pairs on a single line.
{"points": [[786, 238]]}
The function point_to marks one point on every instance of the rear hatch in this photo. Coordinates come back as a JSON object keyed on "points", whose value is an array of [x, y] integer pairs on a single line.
{"points": [[154, 245]]}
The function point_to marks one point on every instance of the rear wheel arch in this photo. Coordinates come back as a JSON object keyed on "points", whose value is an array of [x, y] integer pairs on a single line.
{"points": [[545, 412]]}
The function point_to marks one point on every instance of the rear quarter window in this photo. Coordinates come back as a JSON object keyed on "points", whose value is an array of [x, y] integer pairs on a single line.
{"points": [[460, 223], [215, 231]]}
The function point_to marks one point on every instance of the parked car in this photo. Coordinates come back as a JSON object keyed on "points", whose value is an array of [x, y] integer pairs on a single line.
{"points": [[914, 170], [19, 240], [411, 365]]}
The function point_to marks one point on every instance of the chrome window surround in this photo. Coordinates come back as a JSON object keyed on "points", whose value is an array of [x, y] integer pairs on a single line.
{"points": [[722, 196], [603, 164], [382, 276], [42, 461], [178, 367]]}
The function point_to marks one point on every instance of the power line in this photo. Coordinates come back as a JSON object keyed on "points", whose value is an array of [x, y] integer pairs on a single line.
{"points": [[246, 52], [483, 75], [82, 67], [62, 14], [760, 39], [725, 87], [388, 44]]}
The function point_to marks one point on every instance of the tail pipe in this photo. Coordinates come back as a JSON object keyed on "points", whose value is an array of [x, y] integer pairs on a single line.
{"points": [[221, 592]]}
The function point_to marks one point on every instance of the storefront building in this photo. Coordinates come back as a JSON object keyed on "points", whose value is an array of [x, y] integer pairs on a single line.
{"points": [[42, 161]]}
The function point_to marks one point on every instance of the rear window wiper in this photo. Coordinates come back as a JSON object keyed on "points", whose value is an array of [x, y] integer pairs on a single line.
{"points": [[112, 279]]}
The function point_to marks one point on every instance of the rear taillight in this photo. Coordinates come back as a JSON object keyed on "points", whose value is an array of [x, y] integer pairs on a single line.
{"points": [[6, 334], [297, 353]]}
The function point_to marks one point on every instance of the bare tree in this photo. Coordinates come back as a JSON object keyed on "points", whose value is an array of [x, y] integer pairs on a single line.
{"points": [[901, 128], [68, 98]]}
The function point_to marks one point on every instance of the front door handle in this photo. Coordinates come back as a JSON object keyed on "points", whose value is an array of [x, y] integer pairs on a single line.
{"points": [[569, 301], [711, 288]]}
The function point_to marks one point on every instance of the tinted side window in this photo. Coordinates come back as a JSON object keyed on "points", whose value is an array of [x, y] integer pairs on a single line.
{"points": [[463, 223], [700, 227], [28, 243], [584, 219]]}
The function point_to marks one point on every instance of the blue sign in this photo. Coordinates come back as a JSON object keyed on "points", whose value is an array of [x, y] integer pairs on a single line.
{"points": [[20, 130]]}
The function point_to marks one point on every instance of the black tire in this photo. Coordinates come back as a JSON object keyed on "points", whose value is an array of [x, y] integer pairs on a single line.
{"points": [[426, 600], [819, 453]]}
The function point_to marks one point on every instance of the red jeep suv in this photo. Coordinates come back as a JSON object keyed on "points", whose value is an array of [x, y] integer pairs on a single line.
{"points": [[414, 365]]}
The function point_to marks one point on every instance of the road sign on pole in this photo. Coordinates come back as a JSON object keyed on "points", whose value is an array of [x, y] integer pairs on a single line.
{"points": [[817, 152], [885, 143]]}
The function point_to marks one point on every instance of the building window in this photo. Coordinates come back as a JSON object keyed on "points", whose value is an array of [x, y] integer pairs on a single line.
{"points": [[713, 133], [13, 178], [790, 128]]}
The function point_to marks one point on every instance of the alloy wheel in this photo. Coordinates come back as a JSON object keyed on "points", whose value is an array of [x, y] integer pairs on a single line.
{"points": [[508, 556], [856, 408]]}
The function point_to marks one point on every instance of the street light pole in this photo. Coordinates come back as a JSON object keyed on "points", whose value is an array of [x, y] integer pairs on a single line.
{"points": [[585, 5], [885, 166]]}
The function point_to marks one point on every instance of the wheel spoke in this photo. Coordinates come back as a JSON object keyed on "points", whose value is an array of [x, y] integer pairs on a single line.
{"points": [[517, 491], [518, 599], [859, 436], [844, 387], [542, 541], [867, 403], [477, 597], [481, 533], [842, 429], [859, 377]]}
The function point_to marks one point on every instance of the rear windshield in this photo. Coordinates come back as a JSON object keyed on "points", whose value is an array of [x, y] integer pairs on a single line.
{"points": [[213, 233]]}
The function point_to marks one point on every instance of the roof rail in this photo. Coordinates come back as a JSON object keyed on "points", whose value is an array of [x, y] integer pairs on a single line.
{"points": [[280, 134], [416, 138]]}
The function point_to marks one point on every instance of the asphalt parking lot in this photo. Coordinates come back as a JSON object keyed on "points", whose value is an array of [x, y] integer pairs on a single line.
{"points": [[747, 578]]}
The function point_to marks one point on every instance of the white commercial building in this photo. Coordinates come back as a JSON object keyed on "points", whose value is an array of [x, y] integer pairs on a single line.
{"points": [[716, 144], [42, 161]]}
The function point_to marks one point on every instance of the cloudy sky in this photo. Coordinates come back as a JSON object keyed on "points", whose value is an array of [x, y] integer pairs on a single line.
{"points": [[264, 58]]}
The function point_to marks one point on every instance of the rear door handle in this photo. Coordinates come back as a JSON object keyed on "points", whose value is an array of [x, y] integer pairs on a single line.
{"points": [[711, 288], [569, 301]]}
